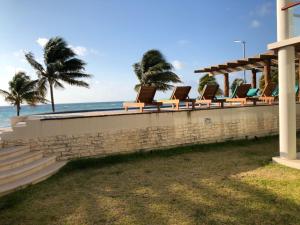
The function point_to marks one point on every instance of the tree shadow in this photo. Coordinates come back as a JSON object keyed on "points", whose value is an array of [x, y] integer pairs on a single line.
{"points": [[209, 187]]}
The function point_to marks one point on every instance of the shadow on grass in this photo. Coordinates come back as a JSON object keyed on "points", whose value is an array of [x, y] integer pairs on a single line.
{"points": [[198, 184]]}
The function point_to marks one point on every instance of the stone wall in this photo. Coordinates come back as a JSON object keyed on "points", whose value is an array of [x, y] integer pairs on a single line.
{"points": [[70, 138]]}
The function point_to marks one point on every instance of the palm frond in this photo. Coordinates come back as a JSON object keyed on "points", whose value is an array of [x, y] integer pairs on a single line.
{"points": [[57, 49], [74, 82], [167, 77], [11, 99], [22, 89], [58, 84], [73, 64], [4, 93], [28, 86], [137, 87], [61, 65], [154, 70], [204, 80], [74, 75], [138, 71], [33, 98], [163, 86], [161, 66], [35, 64], [42, 86], [236, 82]]}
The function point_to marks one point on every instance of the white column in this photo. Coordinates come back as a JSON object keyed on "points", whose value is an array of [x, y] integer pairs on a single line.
{"points": [[287, 103]]}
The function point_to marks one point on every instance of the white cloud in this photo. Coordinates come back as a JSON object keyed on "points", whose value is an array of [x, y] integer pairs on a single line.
{"points": [[83, 51], [79, 50], [178, 65], [255, 24], [263, 10], [42, 41]]}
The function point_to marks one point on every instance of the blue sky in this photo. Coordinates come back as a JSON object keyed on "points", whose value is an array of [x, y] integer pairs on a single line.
{"points": [[111, 35]]}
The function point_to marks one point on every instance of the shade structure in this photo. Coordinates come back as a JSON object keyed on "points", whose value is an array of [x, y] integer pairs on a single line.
{"points": [[259, 63]]}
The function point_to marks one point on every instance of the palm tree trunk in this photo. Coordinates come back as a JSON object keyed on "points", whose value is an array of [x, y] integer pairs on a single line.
{"points": [[18, 109], [52, 97]]}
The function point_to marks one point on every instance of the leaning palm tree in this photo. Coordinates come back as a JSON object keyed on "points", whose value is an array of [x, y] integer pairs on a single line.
{"points": [[236, 82], [22, 89], [154, 70], [61, 66], [207, 79], [274, 78]]}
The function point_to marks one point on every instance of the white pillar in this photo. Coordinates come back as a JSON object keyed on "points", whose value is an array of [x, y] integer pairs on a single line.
{"points": [[287, 102]]}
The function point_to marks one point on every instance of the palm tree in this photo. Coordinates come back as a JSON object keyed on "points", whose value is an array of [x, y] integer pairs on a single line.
{"points": [[207, 79], [61, 66], [154, 70], [22, 89], [236, 82], [274, 78]]}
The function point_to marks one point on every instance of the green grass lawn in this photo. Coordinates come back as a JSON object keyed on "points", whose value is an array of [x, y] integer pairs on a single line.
{"points": [[229, 183]]}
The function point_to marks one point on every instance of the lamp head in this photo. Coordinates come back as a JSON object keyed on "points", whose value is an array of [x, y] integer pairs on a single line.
{"points": [[240, 41]]}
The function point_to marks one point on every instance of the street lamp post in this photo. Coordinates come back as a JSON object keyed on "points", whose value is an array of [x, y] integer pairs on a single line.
{"points": [[244, 53]]}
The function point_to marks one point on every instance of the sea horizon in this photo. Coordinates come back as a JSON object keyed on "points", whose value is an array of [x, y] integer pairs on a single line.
{"points": [[6, 112]]}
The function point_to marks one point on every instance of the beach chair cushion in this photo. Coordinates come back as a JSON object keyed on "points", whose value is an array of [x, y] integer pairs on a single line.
{"points": [[252, 92], [275, 92]]}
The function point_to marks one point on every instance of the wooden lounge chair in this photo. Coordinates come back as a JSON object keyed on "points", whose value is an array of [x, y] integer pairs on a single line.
{"points": [[144, 98], [240, 95], [179, 95], [269, 93], [297, 92], [209, 96]]}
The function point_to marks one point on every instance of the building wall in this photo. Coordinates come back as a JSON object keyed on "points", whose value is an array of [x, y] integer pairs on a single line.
{"points": [[70, 138]]}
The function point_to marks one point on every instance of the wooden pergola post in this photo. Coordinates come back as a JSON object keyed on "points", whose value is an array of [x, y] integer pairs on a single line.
{"points": [[267, 71], [299, 79], [253, 78], [226, 85]]}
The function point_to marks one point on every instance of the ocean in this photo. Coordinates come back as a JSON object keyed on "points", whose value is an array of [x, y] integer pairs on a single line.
{"points": [[8, 111]]}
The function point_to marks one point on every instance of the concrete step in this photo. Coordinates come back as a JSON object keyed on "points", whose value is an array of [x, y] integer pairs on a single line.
{"points": [[19, 160], [7, 129], [14, 174], [20, 124], [10, 152], [33, 178]]}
